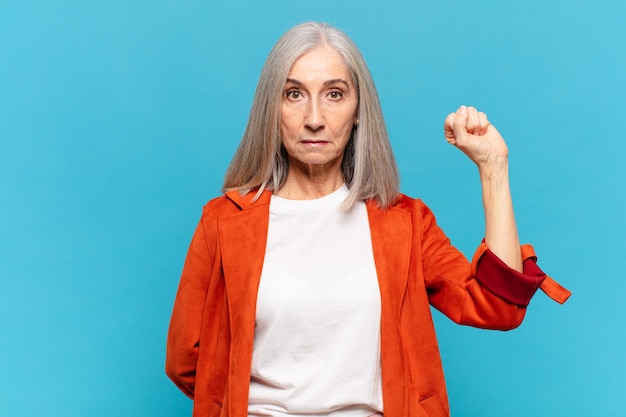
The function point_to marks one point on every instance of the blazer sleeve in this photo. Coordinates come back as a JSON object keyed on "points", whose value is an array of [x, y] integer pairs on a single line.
{"points": [[485, 292], [185, 324]]}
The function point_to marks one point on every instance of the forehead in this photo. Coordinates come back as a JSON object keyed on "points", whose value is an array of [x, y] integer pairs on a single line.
{"points": [[321, 63]]}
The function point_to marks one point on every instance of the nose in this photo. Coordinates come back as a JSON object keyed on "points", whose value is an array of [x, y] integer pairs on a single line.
{"points": [[315, 116]]}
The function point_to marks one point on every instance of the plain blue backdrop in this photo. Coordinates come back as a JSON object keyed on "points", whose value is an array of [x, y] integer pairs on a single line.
{"points": [[118, 119]]}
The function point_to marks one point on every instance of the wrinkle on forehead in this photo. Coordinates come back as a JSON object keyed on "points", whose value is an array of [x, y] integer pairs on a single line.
{"points": [[323, 65]]}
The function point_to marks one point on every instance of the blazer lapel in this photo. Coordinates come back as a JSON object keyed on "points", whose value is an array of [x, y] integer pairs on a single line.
{"points": [[242, 242], [391, 242], [243, 238]]}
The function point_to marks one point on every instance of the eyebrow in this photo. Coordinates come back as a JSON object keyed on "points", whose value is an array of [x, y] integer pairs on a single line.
{"points": [[326, 83]]}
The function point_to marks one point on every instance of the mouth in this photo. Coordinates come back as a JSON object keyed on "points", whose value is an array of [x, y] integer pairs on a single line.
{"points": [[314, 142]]}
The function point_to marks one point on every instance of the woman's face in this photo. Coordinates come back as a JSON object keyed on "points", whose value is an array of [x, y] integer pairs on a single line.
{"points": [[318, 109]]}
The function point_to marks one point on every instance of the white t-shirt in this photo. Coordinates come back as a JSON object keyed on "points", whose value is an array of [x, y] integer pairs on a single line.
{"points": [[317, 334]]}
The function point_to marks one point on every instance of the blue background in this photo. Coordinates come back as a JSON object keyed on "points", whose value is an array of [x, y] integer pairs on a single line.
{"points": [[118, 119]]}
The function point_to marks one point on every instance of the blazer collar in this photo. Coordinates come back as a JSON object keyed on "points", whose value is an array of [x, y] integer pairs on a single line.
{"points": [[246, 201]]}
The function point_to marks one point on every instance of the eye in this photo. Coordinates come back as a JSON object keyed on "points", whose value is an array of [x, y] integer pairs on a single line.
{"points": [[294, 94], [335, 94]]}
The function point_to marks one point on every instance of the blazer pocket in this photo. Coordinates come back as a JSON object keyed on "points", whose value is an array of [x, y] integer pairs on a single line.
{"points": [[215, 408], [434, 406]]}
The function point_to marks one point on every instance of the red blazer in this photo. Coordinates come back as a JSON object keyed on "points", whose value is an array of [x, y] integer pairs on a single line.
{"points": [[210, 340]]}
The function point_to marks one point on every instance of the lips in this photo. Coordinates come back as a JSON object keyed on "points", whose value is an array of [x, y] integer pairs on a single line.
{"points": [[314, 142]]}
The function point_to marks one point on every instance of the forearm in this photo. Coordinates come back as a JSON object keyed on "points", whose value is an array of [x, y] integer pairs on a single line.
{"points": [[500, 228]]}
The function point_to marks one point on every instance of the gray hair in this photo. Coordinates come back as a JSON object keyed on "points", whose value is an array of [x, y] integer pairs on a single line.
{"points": [[368, 167]]}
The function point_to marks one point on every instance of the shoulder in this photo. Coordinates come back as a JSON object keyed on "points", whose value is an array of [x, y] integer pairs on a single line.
{"points": [[218, 206], [404, 207], [415, 208], [234, 202], [226, 206], [410, 204]]}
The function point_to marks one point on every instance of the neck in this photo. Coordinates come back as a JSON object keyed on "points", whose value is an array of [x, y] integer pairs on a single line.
{"points": [[308, 182]]}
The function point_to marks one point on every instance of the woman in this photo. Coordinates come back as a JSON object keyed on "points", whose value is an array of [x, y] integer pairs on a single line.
{"points": [[307, 286]]}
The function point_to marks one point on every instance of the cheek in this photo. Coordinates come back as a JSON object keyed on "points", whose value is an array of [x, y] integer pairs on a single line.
{"points": [[344, 122], [288, 124], [346, 117]]}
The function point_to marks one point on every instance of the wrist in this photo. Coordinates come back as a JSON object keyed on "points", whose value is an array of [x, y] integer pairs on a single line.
{"points": [[496, 169]]}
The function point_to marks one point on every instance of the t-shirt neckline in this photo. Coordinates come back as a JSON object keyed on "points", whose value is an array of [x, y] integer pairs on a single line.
{"points": [[331, 200]]}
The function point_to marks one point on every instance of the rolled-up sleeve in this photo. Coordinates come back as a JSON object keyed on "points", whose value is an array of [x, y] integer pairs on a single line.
{"points": [[485, 292], [513, 286]]}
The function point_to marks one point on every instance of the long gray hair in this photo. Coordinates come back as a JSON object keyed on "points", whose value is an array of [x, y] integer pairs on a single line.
{"points": [[368, 167]]}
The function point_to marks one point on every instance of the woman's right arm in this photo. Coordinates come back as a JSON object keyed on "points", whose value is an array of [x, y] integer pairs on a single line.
{"points": [[184, 330]]}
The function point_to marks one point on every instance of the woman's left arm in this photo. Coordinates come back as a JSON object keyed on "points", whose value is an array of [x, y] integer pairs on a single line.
{"points": [[470, 131]]}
